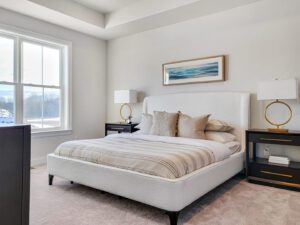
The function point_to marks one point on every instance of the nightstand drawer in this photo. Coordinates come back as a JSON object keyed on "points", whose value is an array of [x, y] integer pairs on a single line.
{"points": [[119, 128], [271, 172], [274, 139]]}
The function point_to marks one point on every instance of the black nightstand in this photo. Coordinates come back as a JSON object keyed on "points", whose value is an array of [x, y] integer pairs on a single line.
{"points": [[259, 170], [121, 127]]}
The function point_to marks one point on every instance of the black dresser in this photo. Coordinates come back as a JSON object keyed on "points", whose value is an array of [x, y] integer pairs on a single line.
{"points": [[14, 175]]}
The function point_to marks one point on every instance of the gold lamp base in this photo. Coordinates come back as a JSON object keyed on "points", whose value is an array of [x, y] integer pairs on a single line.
{"points": [[125, 120], [278, 129]]}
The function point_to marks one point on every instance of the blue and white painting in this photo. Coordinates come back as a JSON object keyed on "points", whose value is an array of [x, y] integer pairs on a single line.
{"points": [[200, 70]]}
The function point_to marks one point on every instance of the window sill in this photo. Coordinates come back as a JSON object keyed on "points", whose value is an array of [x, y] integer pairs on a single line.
{"points": [[52, 133]]}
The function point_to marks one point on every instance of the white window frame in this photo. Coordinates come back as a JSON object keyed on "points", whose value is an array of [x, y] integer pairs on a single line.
{"points": [[19, 36]]}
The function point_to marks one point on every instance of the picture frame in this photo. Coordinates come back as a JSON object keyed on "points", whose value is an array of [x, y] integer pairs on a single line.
{"points": [[201, 70]]}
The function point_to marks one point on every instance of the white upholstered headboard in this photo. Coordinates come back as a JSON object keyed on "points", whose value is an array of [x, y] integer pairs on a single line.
{"points": [[232, 107]]}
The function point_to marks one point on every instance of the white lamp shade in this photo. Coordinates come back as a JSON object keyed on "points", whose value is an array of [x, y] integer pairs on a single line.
{"points": [[125, 96], [277, 89]]}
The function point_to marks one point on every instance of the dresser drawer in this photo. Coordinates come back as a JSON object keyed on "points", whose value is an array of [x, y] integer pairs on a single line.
{"points": [[271, 172], [274, 139]]}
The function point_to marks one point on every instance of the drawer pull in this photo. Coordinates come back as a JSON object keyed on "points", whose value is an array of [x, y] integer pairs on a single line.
{"points": [[277, 174], [116, 128], [276, 139]]}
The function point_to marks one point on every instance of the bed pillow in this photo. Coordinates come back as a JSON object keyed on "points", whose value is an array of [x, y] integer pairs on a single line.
{"points": [[218, 125], [233, 146], [146, 124], [189, 127], [222, 137], [164, 124]]}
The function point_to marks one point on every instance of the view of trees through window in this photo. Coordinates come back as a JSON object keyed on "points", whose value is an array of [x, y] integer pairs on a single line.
{"points": [[7, 104], [7, 92], [41, 107], [37, 87]]}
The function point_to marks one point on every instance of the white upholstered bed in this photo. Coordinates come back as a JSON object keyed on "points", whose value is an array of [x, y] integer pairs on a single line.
{"points": [[171, 195]]}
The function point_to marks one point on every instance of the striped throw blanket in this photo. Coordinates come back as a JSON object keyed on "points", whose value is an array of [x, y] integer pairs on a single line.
{"points": [[158, 156]]}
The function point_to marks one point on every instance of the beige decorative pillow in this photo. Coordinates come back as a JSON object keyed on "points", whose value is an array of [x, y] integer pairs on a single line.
{"points": [[223, 137], [218, 125], [164, 124], [192, 127]]}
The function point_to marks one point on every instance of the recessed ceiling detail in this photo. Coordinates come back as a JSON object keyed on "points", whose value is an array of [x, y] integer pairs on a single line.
{"points": [[105, 6], [108, 19]]}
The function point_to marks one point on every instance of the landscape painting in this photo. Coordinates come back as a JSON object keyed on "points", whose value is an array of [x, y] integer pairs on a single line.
{"points": [[194, 71]]}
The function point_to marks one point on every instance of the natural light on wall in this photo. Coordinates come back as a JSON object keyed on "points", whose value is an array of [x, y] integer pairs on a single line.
{"points": [[34, 82]]}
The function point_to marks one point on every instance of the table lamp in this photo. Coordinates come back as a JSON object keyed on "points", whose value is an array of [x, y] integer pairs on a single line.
{"points": [[278, 90], [125, 97]]}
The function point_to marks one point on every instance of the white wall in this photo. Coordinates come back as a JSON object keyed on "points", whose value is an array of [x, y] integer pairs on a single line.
{"points": [[88, 82], [260, 41]]}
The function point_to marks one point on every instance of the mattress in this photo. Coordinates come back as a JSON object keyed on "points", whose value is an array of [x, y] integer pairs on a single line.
{"points": [[167, 157]]}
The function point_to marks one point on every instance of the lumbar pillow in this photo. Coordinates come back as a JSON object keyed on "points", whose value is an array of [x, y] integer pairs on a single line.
{"points": [[146, 124], [222, 137], [189, 127], [164, 124], [218, 125]]}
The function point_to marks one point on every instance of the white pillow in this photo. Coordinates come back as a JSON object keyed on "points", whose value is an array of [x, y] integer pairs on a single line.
{"points": [[146, 124], [233, 146], [222, 137]]}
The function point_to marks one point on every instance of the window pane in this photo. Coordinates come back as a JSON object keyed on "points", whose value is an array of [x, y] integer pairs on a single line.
{"points": [[33, 103], [6, 59], [51, 59], [32, 63], [7, 104], [51, 108]]}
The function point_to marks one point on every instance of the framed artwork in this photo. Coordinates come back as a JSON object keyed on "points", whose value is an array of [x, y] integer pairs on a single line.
{"points": [[210, 69]]}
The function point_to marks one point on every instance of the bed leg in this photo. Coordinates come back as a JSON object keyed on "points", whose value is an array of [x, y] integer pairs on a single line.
{"points": [[50, 179], [173, 216]]}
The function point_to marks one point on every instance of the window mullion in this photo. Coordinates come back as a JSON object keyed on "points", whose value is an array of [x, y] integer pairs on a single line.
{"points": [[16, 60], [39, 85], [42, 67], [63, 122], [43, 107], [42, 74], [19, 103], [19, 87]]}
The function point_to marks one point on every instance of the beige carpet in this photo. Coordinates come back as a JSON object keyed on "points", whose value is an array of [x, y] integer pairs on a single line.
{"points": [[236, 202]]}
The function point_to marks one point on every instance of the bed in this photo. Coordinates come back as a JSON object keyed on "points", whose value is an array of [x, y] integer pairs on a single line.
{"points": [[168, 193]]}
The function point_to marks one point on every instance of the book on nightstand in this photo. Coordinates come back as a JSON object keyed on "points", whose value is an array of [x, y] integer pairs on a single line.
{"points": [[279, 160]]}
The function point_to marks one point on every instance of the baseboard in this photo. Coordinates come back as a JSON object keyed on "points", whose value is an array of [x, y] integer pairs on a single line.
{"points": [[38, 161]]}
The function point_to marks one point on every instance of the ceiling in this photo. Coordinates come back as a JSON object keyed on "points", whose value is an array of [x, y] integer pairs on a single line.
{"points": [[105, 6], [109, 19]]}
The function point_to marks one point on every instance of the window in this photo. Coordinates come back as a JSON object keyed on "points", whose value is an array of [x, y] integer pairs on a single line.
{"points": [[41, 85], [33, 82]]}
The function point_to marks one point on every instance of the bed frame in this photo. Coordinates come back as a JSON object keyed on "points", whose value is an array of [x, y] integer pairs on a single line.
{"points": [[171, 195]]}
